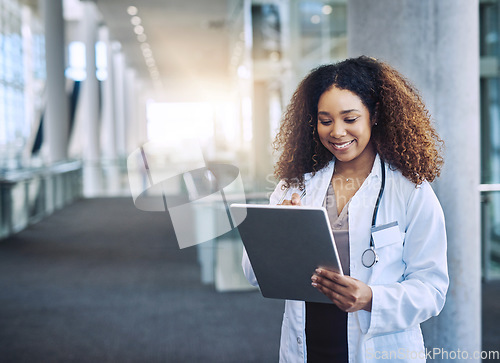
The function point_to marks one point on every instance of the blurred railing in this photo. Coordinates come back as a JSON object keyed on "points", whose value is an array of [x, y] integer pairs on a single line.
{"points": [[28, 195]]}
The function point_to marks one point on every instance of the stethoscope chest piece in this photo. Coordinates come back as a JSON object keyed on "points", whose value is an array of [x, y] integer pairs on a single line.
{"points": [[369, 257]]}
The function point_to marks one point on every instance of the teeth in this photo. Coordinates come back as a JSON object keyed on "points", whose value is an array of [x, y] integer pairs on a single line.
{"points": [[344, 145]]}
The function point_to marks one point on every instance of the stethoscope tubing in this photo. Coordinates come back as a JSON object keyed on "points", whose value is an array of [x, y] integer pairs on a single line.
{"points": [[369, 256], [369, 252], [379, 198]]}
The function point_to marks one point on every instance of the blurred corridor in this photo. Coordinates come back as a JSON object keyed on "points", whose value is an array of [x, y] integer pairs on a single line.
{"points": [[105, 102]]}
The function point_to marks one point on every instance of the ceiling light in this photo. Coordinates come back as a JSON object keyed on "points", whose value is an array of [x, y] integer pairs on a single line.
{"points": [[315, 19], [135, 20], [132, 10], [243, 72], [138, 29], [327, 9], [146, 52], [145, 46], [142, 38]]}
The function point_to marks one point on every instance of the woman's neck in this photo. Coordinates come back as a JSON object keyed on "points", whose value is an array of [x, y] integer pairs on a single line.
{"points": [[359, 167]]}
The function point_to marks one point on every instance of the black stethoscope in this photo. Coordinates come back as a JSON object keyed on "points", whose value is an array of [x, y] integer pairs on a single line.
{"points": [[369, 256]]}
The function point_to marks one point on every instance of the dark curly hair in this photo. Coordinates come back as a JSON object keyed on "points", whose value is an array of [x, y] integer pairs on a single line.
{"points": [[404, 135]]}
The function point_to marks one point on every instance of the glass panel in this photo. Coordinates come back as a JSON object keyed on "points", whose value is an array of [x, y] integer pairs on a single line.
{"points": [[17, 81], [3, 116], [491, 234], [266, 32], [19, 210], [489, 40], [488, 31], [490, 130], [323, 28]]}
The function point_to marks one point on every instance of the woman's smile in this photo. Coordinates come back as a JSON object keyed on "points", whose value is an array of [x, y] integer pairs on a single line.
{"points": [[342, 145]]}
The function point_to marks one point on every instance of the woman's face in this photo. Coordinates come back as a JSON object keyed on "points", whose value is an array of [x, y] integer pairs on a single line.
{"points": [[344, 125]]}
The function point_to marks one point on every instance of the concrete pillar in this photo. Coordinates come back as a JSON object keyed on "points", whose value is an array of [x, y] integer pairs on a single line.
{"points": [[138, 112], [142, 115], [261, 129], [436, 45], [108, 139], [109, 148], [56, 120], [120, 125], [291, 49], [91, 85], [91, 124], [131, 111]]}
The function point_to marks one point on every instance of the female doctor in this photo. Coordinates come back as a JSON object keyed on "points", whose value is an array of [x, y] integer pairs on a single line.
{"points": [[358, 140]]}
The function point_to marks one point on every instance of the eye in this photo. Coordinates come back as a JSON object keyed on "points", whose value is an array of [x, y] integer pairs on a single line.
{"points": [[351, 119], [325, 122]]}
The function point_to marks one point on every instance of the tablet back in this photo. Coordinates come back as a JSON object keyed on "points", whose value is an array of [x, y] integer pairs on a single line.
{"points": [[285, 245]]}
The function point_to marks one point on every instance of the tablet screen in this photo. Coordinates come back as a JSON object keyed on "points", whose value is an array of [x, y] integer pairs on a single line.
{"points": [[285, 244]]}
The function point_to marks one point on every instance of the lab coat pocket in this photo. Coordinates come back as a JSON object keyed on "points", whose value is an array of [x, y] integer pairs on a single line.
{"points": [[386, 234], [402, 346], [389, 242]]}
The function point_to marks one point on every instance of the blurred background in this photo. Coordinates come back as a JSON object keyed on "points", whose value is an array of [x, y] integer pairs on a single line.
{"points": [[85, 85]]}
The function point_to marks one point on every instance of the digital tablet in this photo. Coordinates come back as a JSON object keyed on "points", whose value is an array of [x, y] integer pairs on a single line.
{"points": [[285, 245]]}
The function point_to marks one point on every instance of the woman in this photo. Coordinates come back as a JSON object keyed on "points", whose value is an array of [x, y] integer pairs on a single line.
{"points": [[358, 138]]}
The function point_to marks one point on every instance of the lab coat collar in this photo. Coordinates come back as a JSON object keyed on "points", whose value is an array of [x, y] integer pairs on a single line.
{"points": [[327, 171], [375, 172]]}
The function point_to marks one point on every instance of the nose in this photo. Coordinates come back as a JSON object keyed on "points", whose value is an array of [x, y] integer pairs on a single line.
{"points": [[338, 130]]}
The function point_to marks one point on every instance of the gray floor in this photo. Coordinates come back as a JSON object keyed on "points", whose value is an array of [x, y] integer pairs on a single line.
{"points": [[491, 316], [101, 281]]}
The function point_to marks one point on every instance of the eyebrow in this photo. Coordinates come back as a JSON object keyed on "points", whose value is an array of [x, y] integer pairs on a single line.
{"points": [[341, 112]]}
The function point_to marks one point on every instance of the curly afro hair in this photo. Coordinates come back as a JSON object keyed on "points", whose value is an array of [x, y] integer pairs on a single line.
{"points": [[404, 135]]}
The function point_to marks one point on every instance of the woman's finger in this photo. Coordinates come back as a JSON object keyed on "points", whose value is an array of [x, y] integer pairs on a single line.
{"points": [[296, 199], [346, 292], [333, 276]]}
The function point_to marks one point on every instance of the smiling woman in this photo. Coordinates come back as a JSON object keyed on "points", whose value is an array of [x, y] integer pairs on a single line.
{"points": [[357, 140]]}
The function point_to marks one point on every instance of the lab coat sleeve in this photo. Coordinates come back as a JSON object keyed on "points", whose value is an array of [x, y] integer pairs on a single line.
{"points": [[245, 262], [422, 292]]}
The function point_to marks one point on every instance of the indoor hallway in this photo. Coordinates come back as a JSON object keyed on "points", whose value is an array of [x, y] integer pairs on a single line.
{"points": [[101, 281]]}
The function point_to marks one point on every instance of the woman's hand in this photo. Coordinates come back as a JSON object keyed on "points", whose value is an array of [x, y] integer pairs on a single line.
{"points": [[294, 201], [346, 292]]}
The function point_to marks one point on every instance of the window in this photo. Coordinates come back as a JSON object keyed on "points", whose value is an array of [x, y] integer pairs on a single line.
{"points": [[22, 73], [490, 135]]}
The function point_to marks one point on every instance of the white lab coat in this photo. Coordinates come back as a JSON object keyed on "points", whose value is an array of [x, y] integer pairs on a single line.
{"points": [[409, 283]]}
